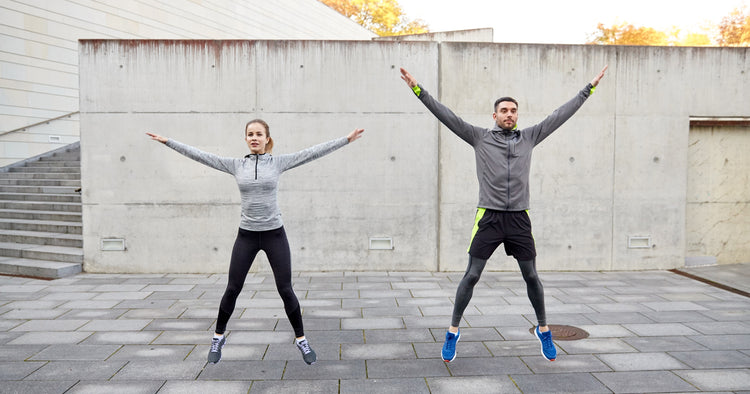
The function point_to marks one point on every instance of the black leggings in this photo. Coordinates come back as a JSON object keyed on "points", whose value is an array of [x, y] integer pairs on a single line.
{"points": [[276, 246], [474, 270]]}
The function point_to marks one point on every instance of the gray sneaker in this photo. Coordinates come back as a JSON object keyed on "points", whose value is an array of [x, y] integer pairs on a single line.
{"points": [[307, 353], [214, 355]]}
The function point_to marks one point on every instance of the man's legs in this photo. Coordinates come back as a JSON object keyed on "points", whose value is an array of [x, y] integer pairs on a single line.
{"points": [[535, 292], [466, 290]]}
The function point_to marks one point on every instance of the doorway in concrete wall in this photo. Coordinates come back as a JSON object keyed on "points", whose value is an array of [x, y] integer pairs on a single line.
{"points": [[718, 192]]}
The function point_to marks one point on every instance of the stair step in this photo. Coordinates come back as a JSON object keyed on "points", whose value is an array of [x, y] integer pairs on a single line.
{"points": [[55, 163], [41, 225], [5, 196], [41, 206], [38, 268], [72, 170], [40, 215], [41, 252], [38, 189], [41, 175], [75, 183], [42, 238]]}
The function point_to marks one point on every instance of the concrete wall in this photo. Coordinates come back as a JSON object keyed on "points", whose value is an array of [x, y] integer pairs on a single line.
{"points": [[616, 172], [39, 55]]}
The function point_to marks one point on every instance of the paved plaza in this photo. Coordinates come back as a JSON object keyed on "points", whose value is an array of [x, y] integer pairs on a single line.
{"points": [[379, 332]]}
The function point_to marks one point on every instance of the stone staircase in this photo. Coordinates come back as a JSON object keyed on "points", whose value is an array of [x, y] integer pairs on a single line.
{"points": [[40, 215]]}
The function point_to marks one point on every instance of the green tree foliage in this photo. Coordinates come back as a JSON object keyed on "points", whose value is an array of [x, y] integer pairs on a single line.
{"points": [[382, 17]]}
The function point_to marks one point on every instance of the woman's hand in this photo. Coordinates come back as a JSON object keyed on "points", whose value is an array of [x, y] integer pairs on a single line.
{"points": [[355, 134], [157, 137]]}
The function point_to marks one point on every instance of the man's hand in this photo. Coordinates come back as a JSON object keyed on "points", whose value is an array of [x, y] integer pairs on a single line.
{"points": [[596, 79], [408, 78]]}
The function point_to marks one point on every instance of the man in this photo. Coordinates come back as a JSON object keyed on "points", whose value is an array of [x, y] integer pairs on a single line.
{"points": [[503, 160]]}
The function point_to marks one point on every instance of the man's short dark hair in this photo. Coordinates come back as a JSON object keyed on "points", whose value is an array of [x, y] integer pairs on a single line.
{"points": [[501, 99]]}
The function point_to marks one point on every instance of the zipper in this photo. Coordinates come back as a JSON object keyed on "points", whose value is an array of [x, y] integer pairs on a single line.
{"points": [[256, 166], [507, 204]]}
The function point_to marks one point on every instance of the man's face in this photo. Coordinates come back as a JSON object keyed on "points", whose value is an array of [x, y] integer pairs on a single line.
{"points": [[506, 115]]}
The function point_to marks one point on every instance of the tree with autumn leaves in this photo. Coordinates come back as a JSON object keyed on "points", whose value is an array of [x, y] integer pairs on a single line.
{"points": [[382, 17], [733, 30]]}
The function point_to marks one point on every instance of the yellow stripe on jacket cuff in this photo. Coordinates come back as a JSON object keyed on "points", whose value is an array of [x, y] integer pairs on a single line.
{"points": [[417, 90]]}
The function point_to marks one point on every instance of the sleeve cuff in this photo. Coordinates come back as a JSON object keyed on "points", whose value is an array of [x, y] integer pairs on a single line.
{"points": [[591, 89], [417, 90]]}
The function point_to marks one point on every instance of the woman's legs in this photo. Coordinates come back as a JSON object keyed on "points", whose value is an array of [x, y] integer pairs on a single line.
{"points": [[276, 246], [246, 247]]}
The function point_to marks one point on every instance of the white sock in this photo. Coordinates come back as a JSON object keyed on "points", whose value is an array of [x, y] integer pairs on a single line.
{"points": [[299, 340], [218, 336]]}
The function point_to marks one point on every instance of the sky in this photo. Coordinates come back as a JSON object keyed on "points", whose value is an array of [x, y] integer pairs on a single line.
{"points": [[564, 21]]}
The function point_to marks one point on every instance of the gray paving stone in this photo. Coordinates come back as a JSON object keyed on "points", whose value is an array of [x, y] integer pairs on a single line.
{"points": [[147, 304], [153, 352], [338, 337], [19, 352], [469, 334], [565, 363], [495, 321], [90, 314], [511, 348], [472, 384], [114, 387], [641, 361], [606, 331], [250, 324], [325, 369], [27, 314], [644, 382], [201, 387], [295, 386], [463, 349], [351, 303], [311, 324], [718, 379], [185, 338], [330, 313], [89, 304], [384, 386], [50, 338], [77, 370], [412, 322], [722, 342], [618, 318], [17, 370], [51, 325], [372, 323], [406, 368], [160, 370], [594, 346], [676, 317], [179, 325], [35, 304], [37, 387], [383, 351], [243, 370], [471, 366], [719, 328], [405, 335], [324, 351], [9, 324], [399, 311], [114, 288], [260, 337], [713, 359], [662, 344], [123, 295], [559, 383], [231, 352], [121, 338], [76, 352], [68, 296], [660, 329], [115, 325]]}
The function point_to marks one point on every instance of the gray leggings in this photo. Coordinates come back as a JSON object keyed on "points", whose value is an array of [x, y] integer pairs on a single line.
{"points": [[474, 270]]}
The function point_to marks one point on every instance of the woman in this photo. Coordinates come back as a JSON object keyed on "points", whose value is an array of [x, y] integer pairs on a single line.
{"points": [[261, 228]]}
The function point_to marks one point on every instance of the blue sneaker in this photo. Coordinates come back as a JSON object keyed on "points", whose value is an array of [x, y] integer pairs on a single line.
{"points": [[548, 348], [449, 347]]}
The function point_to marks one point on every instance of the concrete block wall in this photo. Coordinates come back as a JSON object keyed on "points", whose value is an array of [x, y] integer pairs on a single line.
{"points": [[616, 170]]}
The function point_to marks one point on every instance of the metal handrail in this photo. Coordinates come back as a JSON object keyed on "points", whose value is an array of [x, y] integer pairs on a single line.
{"points": [[38, 123]]}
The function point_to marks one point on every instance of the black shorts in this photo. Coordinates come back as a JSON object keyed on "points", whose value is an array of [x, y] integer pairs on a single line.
{"points": [[491, 228]]}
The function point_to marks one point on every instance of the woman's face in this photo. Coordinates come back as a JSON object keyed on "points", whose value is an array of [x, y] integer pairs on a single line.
{"points": [[255, 136]]}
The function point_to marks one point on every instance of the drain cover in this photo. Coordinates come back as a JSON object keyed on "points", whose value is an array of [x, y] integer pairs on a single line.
{"points": [[565, 333]]}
